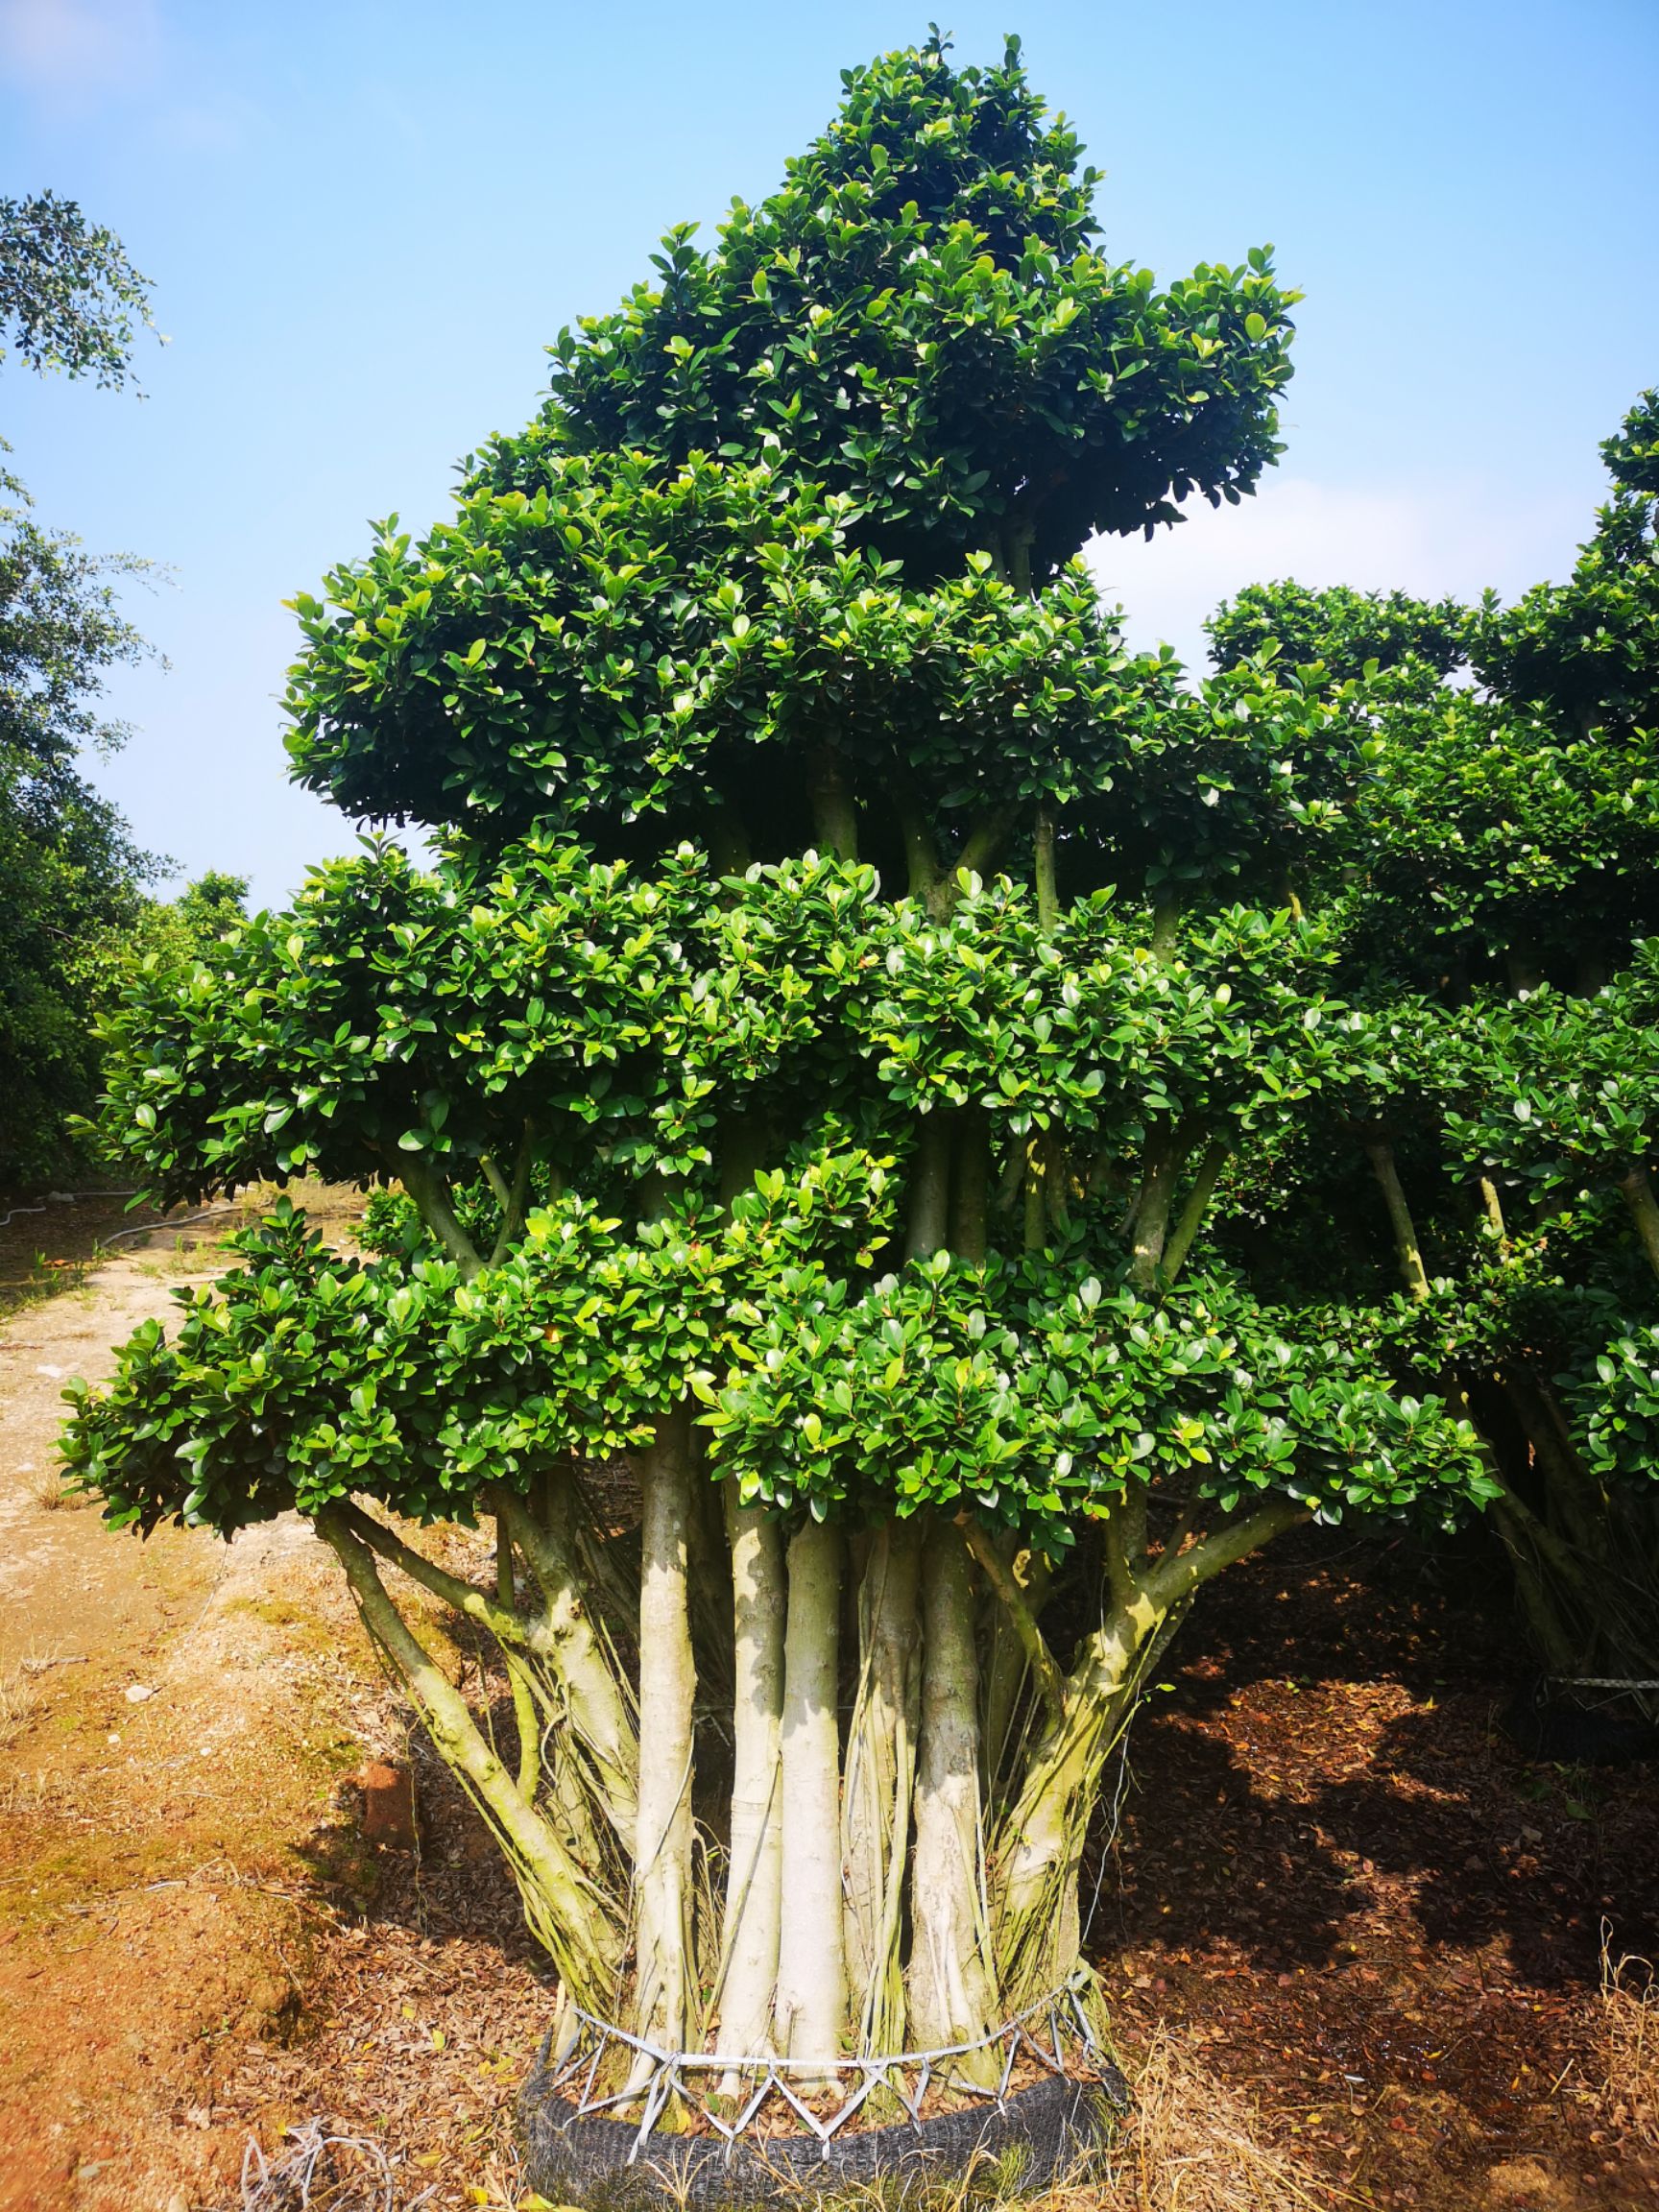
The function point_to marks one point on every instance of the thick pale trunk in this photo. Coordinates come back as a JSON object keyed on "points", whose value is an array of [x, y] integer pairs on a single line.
{"points": [[665, 1958], [754, 1881], [951, 1986], [811, 2000], [880, 1773]]}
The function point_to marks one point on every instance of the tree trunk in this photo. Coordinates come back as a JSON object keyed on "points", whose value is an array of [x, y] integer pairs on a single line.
{"points": [[1407, 1249], [1638, 1194], [754, 1893], [1165, 1152], [581, 1661], [811, 1965], [880, 1775], [931, 1186], [665, 1953], [953, 1989], [565, 1914], [1039, 1850]]}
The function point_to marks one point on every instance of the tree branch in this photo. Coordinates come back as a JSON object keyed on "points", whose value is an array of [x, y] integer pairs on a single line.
{"points": [[568, 1914], [923, 868], [1044, 860], [1407, 1249], [1166, 1150], [1637, 1195], [524, 1712], [834, 811], [1045, 1669], [1173, 1579], [1217, 1155], [513, 1202], [430, 1191], [984, 841], [503, 1624]]}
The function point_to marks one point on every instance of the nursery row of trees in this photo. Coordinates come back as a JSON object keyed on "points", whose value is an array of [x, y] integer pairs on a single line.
{"points": [[989, 1129]]}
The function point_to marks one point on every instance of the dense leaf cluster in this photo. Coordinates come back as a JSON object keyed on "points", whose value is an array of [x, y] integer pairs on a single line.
{"points": [[984, 1065]]}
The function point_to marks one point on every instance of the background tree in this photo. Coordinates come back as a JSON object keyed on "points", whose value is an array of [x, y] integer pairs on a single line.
{"points": [[75, 902], [73, 875], [1497, 870], [69, 297], [849, 979]]}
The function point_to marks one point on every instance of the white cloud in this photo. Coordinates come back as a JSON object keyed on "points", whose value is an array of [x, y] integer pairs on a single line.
{"points": [[72, 50], [1450, 538]]}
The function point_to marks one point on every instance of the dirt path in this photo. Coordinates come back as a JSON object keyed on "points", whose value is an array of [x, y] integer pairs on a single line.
{"points": [[168, 1726], [196, 1948]]}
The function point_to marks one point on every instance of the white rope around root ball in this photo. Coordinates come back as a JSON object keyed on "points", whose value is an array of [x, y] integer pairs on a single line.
{"points": [[1045, 2032]]}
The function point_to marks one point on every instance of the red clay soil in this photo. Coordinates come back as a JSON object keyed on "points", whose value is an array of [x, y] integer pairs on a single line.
{"points": [[1383, 1921]]}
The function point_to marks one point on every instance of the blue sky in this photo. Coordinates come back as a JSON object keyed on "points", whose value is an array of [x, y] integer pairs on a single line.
{"points": [[364, 220]]}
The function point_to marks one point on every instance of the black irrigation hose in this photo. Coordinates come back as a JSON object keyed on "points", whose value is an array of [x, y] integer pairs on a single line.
{"points": [[154, 1228]]}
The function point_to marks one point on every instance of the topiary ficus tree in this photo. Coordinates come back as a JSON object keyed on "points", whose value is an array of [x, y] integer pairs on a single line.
{"points": [[847, 976]]}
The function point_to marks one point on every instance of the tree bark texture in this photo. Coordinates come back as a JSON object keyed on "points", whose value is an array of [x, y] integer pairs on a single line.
{"points": [[663, 1939], [880, 1769], [811, 1967], [755, 1862], [953, 1989]]}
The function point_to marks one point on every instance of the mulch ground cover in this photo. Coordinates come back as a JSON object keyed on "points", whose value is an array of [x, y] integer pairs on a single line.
{"points": [[1331, 1871], [1383, 1921]]}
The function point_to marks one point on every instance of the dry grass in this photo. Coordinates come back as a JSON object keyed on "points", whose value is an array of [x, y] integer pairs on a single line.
{"points": [[52, 1494], [17, 1700], [1629, 2095], [1192, 2146]]}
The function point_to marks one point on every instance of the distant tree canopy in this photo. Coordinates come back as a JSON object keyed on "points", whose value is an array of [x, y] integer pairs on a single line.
{"points": [[1586, 650], [72, 873], [75, 904]]}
